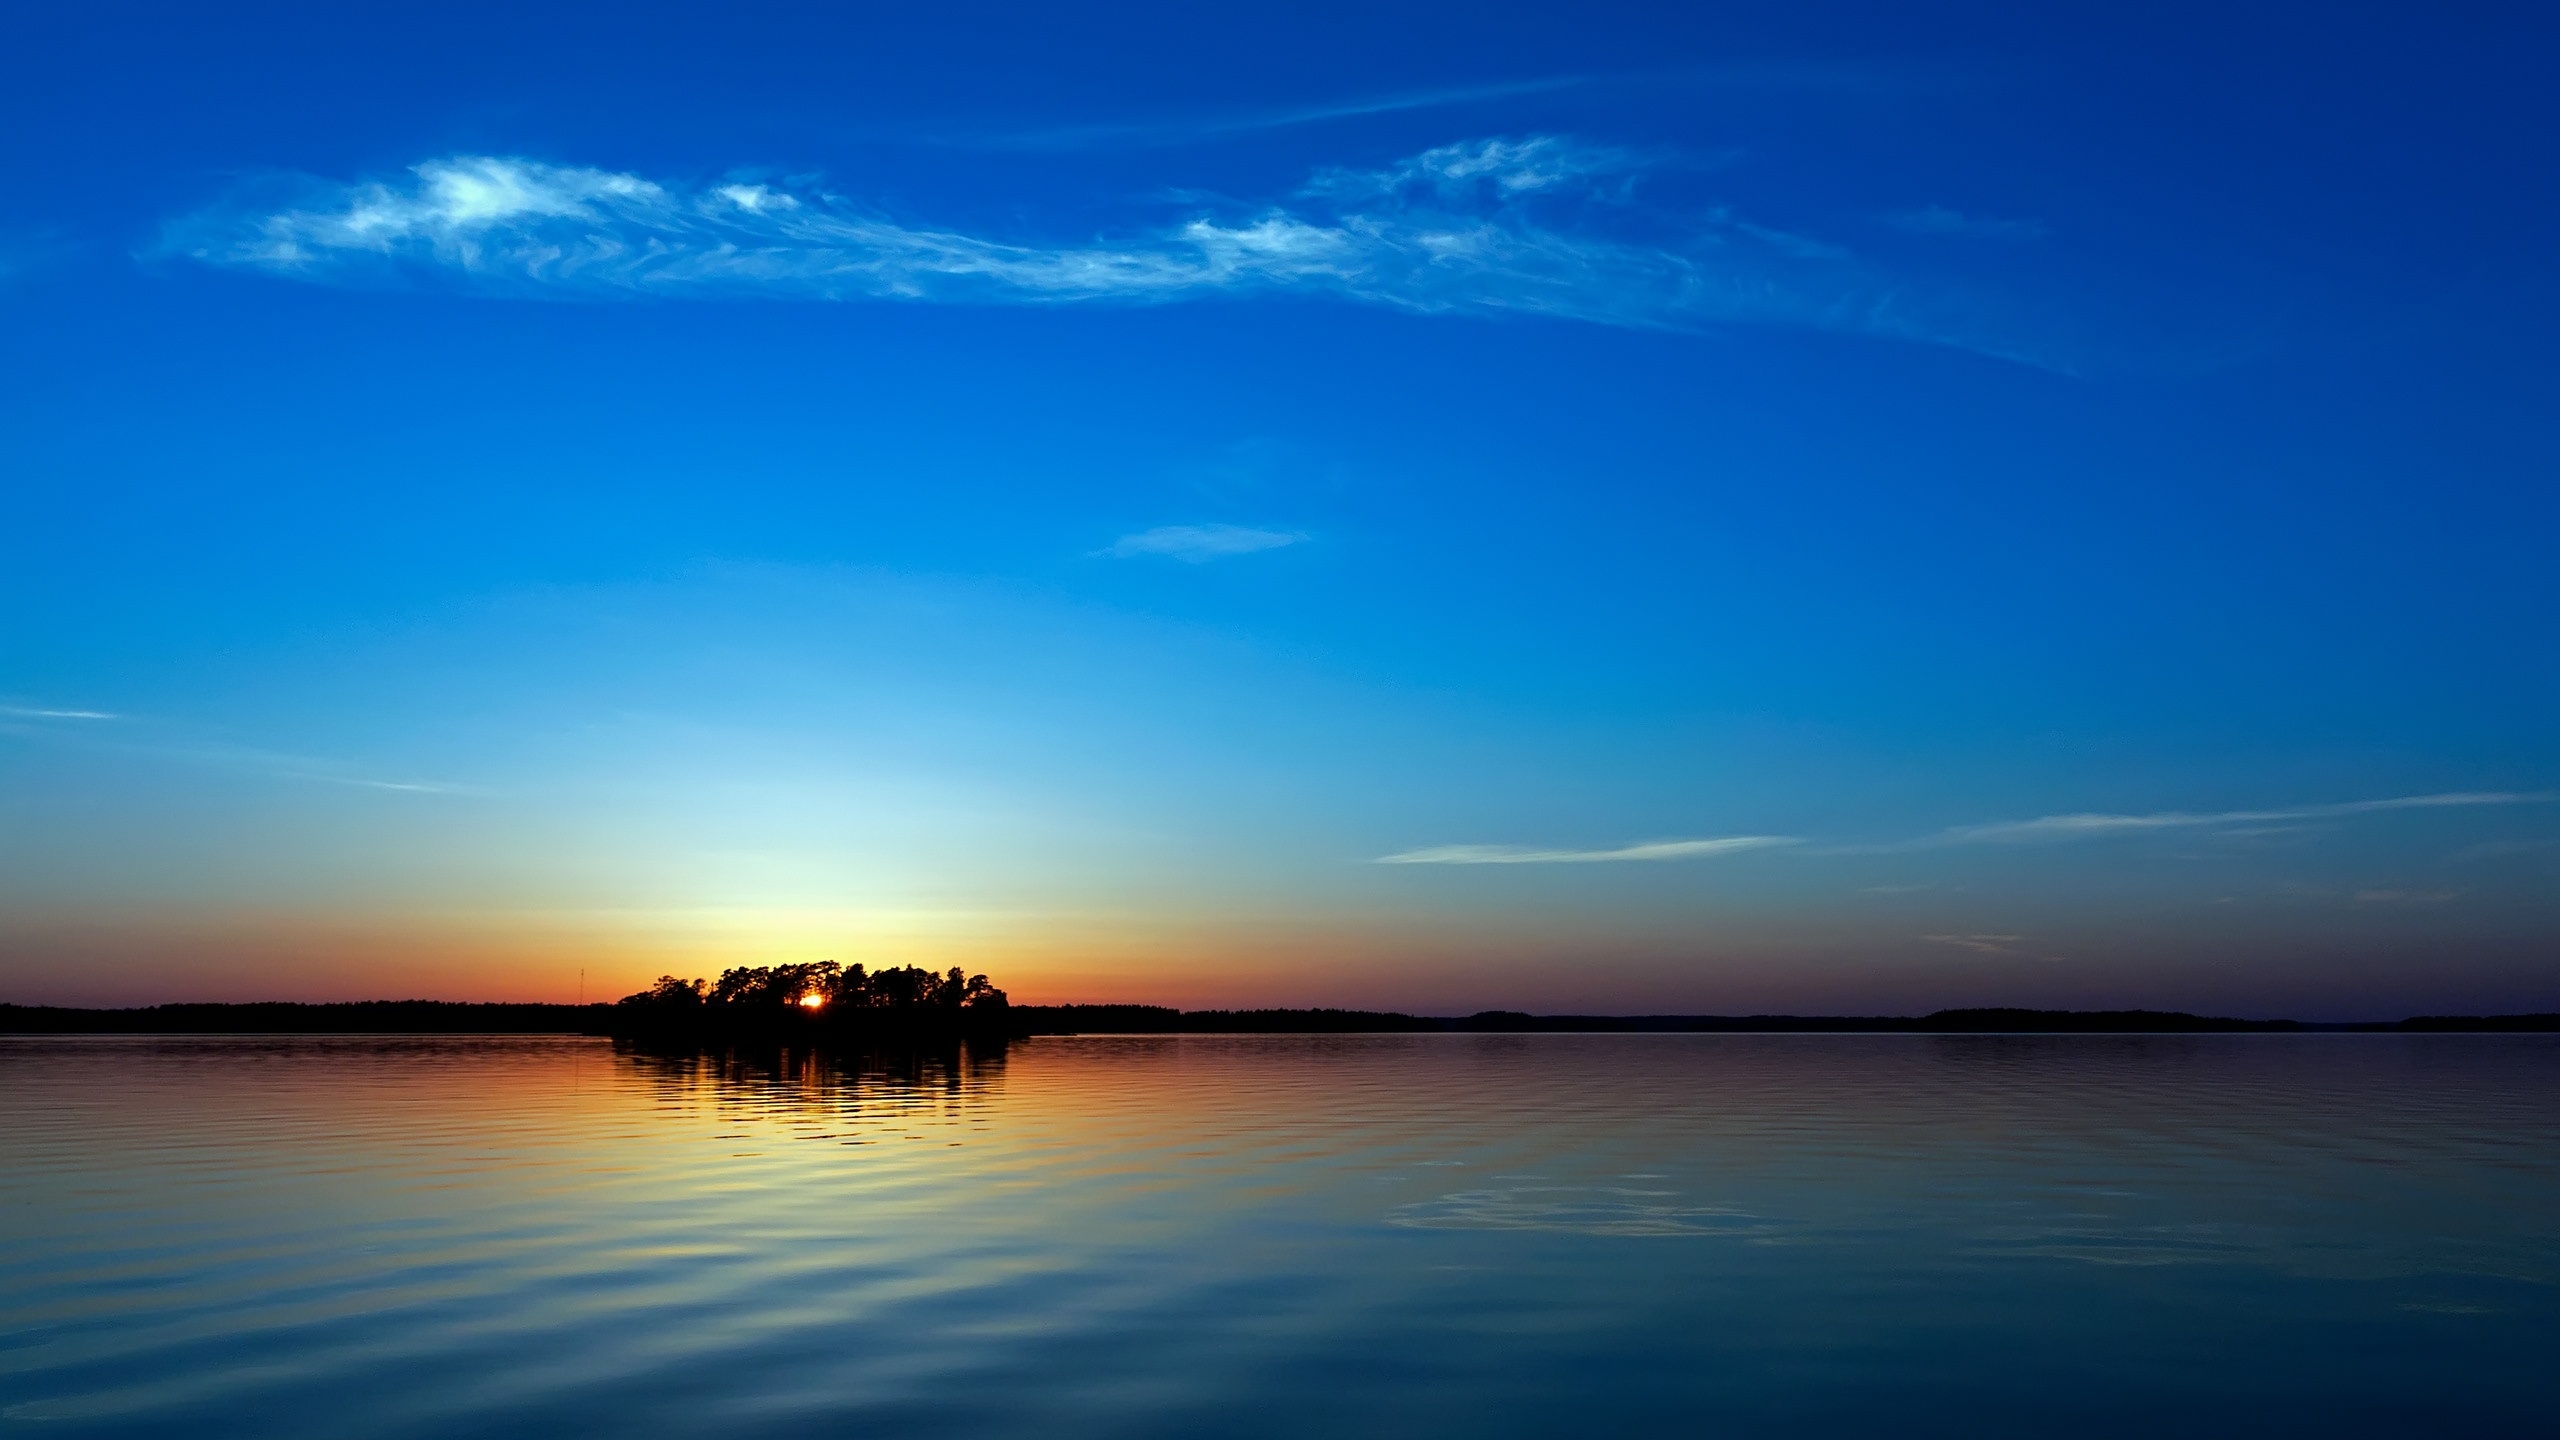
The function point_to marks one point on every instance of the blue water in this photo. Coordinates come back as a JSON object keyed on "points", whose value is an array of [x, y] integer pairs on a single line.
{"points": [[1464, 1235]]}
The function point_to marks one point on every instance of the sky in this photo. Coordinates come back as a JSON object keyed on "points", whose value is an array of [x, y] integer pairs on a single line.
{"points": [[1831, 508]]}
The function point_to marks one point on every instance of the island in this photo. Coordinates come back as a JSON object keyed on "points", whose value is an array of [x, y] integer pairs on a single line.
{"points": [[817, 1000]]}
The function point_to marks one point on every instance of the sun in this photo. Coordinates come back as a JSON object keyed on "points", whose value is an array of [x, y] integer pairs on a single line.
{"points": [[812, 1002]]}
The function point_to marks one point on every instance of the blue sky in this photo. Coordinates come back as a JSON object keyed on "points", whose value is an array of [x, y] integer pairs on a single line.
{"points": [[1821, 507]]}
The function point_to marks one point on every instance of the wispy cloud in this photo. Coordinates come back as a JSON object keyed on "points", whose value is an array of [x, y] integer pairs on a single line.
{"points": [[1532, 226], [1522, 855], [2091, 825], [2048, 828], [1205, 128], [25, 254], [1196, 543], [163, 743], [1982, 944], [1939, 220], [1741, 76], [2494, 849]]}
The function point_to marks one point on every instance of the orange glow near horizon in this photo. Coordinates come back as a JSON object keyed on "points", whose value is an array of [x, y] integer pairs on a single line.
{"points": [[1420, 963], [243, 955]]}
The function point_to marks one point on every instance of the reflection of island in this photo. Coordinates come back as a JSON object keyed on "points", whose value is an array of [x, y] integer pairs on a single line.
{"points": [[818, 999], [810, 1076]]}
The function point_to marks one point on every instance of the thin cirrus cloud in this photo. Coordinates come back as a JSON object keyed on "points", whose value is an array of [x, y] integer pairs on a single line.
{"points": [[1940, 220], [1522, 855], [1540, 226], [1741, 76], [2088, 826], [2048, 828], [1980, 944], [1186, 132], [208, 754], [1196, 544]]}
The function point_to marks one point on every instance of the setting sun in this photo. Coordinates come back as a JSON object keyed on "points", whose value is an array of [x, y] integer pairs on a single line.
{"points": [[813, 1001]]}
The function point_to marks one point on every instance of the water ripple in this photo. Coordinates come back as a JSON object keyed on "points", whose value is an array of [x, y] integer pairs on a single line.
{"points": [[1997, 1235]]}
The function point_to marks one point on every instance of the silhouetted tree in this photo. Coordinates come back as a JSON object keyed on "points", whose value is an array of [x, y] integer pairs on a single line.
{"points": [[775, 987], [668, 993]]}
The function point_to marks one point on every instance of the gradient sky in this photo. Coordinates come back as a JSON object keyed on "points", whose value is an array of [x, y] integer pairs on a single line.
{"points": [[1643, 508]]}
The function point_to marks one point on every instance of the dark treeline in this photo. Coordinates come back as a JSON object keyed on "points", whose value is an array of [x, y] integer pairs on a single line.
{"points": [[358, 1017], [2479, 1022], [769, 1000], [1164, 1020], [1158, 1019]]}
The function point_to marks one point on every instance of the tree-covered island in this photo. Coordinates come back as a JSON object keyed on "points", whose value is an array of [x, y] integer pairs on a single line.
{"points": [[818, 998]]}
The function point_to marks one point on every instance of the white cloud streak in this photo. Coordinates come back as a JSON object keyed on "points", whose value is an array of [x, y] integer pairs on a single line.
{"points": [[1486, 227], [1521, 855], [210, 755], [1194, 544], [1193, 131], [1981, 944], [2044, 829], [1939, 220], [2088, 826]]}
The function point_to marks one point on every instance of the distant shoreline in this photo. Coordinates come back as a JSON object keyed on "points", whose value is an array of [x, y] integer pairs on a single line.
{"points": [[443, 1017]]}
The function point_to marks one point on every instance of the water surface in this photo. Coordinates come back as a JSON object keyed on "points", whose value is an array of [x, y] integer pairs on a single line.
{"points": [[1379, 1235]]}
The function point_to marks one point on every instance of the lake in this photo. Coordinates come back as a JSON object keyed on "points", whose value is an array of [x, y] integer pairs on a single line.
{"points": [[1528, 1235]]}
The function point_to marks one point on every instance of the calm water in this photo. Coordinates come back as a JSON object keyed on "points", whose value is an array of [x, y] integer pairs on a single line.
{"points": [[1480, 1235]]}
